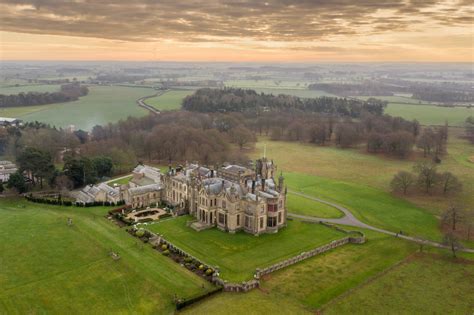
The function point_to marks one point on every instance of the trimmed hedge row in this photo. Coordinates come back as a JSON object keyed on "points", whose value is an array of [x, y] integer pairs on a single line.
{"points": [[60, 202]]}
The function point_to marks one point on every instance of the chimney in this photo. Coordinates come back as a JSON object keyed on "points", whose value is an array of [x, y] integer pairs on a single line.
{"points": [[253, 186], [212, 173]]}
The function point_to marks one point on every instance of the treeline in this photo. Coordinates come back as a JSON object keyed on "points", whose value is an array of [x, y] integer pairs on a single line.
{"points": [[431, 92], [436, 94], [366, 88], [248, 101], [380, 134], [68, 92]]}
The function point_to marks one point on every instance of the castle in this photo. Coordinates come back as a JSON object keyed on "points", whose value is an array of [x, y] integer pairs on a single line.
{"points": [[231, 198]]}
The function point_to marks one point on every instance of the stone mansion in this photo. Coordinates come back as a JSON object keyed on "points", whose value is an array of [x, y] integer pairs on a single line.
{"points": [[231, 198]]}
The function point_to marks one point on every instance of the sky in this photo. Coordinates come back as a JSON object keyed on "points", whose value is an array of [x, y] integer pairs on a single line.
{"points": [[238, 30]]}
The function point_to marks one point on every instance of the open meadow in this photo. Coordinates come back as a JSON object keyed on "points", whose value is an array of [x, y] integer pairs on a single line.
{"points": [[361, 182], [50, 267], [430, 114], [405, 289], [7, 89], [102, 105], [238, 255], [169, 100]]}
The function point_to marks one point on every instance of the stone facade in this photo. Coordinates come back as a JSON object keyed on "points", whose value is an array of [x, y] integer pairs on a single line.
{"points": [[232, 198]]}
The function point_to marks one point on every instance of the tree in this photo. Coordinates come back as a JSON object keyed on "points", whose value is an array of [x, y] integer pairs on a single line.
{"points": [[453, 216], [2, 189], [449, 183], [103, 166], [62, 182], [427, 175], [241, 136], [37, 164], [402, 181], [17, 182], [452, 241], [80, 171]]}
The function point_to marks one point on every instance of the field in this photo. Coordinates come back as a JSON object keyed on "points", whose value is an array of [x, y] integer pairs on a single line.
{"points": [[49, 267], [238, 255], [12, 89], [358, 167], [360, 182], [102, 105], [430, 114], [405, 289], [307, 286], [305, 206], [170, 100]]}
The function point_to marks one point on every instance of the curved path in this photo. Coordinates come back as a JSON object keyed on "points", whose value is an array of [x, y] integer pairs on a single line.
{"points": [[141, 102], [350, 220]]}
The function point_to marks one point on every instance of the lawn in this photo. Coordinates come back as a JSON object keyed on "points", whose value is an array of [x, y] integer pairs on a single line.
{"points": [[102, 105], [307, 286], [301, 205], [370, 205], [238, 255], [120, 181], [49, 267], [170, 100], [375, 171], [429, 114], [424, 284]]}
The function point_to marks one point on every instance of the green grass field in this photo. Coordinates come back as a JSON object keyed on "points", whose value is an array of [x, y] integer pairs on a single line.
{"points": [[375, 171], [370, 205], [12, 89], [430, 115], [49, 267], [302, 205], [170, 100], [102, 105], [307, 286], [405, 289], [238, 255]]}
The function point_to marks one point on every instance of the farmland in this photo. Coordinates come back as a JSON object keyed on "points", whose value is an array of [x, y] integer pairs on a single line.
{"points": [[50, 267], [430, 114], [405, 291], [102, 105], [24, 88], [169, 100]]}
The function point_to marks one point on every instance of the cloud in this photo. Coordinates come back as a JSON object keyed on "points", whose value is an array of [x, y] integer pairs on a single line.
{"points": [[226, 20]]}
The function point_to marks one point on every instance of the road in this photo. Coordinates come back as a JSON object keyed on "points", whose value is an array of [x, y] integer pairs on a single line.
{"points": [[350, 220]]}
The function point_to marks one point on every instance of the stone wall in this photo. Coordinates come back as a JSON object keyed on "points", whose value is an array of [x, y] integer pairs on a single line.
{"points": [[354, 237]]}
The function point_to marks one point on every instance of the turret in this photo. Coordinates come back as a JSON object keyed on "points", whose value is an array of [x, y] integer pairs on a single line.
{"points": [[281, 182]]}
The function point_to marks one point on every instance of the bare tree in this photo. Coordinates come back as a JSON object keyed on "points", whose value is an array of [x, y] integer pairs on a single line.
{"points": [[451, 240], [402, 181], [453, 216], [427, 175], [450, 183], [241, 136]]}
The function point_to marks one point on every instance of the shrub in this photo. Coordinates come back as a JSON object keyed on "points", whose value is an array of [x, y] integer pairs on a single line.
{"points": [[209, 272], [188, 259], [164, 247], [201, 267], [140, 232], [166, 252]]}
